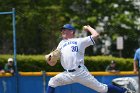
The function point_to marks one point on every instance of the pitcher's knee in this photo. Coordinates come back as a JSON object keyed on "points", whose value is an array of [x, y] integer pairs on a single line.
{"points": [[52, 83], [102, 88]]}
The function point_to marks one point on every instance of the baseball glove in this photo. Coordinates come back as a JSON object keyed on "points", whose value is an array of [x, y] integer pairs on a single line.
{"points": [[53, 56]]}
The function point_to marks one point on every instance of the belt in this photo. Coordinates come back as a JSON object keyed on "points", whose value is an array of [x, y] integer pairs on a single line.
{"points": [[72, 70]]}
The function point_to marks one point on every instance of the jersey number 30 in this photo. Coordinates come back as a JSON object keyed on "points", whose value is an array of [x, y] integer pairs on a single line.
{"points": [[74, 48]]}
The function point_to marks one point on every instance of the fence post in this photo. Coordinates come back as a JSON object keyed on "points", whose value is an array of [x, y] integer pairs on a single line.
{"points": [[44, 81]]}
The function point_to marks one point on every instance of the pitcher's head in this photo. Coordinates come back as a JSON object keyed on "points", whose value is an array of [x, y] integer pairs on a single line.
{"points": [[67, 31]]}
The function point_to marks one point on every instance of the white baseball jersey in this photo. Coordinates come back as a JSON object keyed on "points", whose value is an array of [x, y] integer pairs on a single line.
{"points": [[72, 51], [72, 55]]}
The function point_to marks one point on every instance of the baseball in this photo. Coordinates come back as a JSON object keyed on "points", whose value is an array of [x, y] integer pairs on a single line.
{"points": [[84, 27]]}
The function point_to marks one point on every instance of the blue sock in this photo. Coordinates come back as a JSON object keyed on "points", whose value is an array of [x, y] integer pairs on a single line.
{"points": [[115, 89], [50, 89]]}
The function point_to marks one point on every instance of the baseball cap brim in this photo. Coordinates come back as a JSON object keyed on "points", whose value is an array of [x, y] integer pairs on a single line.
{"points": [[10, 60]]}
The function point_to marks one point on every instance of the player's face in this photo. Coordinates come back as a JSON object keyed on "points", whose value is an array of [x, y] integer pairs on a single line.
{"points": [[66, 34], [10, 63]]}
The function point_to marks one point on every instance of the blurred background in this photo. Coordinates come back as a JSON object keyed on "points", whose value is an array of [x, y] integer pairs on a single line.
{"points": [[38, 24]]}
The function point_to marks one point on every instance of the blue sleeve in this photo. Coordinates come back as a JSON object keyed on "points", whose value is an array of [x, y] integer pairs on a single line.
{"points": [[137, 55]]}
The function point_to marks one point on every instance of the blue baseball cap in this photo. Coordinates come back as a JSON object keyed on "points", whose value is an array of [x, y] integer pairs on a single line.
{"points": [[68, 26]]}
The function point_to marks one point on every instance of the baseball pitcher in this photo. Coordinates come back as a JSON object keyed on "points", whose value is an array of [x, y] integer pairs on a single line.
{"points": [[71, 53]]}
